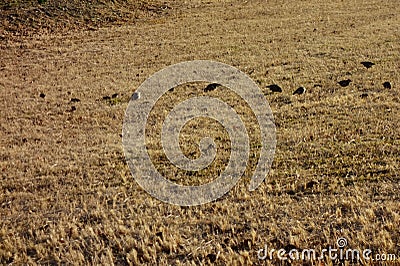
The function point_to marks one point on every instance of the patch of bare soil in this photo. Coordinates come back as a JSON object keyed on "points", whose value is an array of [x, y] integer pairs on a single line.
{"points": [[57, 16]]}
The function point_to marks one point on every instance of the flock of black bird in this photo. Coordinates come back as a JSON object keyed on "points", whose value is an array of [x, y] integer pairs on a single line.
{"points": [[273, 88], [342, 83], [302, 90]]}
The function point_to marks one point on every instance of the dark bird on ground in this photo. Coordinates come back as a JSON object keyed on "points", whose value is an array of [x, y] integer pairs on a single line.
{"points": [[300, 90], [75, 100], [387, 85], [211, 87], [42, 95], [172, 89], [115, 95], [136, 96], [367, 64], [364, 95], [344, 83], [106, 98], [274, 88]]}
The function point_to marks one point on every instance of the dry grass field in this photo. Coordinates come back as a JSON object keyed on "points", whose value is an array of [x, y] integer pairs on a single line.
{"points": [[67, 195]]}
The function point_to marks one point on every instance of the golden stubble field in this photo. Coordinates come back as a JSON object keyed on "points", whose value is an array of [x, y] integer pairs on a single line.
{"points": [[67, 195]]}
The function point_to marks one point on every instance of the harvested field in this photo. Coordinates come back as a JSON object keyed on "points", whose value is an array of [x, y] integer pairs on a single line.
{"points": [[67, 195]]}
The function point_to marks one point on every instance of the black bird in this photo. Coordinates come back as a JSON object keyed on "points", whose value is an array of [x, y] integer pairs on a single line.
{"points": [[211, 87], [300, 90], [274, 88], [42, 95], [364, 95], [344, 83], [75, 100], [115, 95], [387, 85], [136, 95], [367, 64]]}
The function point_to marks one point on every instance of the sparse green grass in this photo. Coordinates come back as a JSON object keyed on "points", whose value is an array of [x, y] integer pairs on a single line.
{"points": [[66, 193]]}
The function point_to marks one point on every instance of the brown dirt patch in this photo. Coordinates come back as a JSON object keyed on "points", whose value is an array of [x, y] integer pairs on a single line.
{"points": [[59, 16]]}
